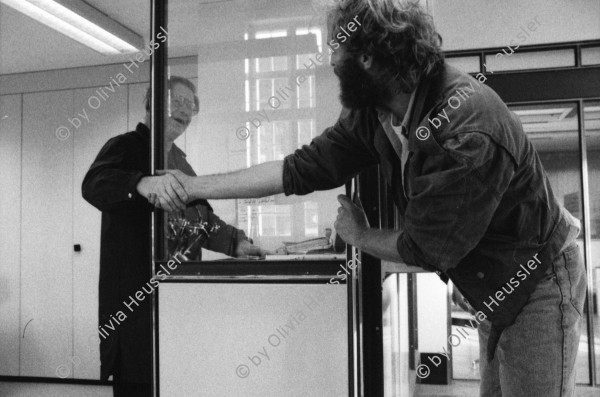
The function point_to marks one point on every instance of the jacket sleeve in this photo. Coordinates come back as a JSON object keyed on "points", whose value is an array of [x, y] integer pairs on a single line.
{"points": [[110, 183], [224, 239], [332, 158], [453, 200]]}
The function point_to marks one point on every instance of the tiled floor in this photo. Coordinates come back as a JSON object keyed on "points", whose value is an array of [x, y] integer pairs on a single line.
{"points": [[471, 389]]}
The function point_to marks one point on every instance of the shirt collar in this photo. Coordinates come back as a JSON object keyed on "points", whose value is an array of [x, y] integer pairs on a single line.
{"points": [[177, 151], [385, 115], [143, 129]]}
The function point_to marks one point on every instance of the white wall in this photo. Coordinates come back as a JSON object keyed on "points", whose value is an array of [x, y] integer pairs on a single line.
{"points": [[46, 235], [48, 292], [469, 24], [10, 230]]}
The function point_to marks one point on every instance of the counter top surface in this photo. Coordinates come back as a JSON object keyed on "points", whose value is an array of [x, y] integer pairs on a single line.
{"points": [[248, 270]]}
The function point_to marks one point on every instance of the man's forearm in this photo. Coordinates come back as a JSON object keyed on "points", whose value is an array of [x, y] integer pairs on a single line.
{"points": [[380, 243], [258, 181]]}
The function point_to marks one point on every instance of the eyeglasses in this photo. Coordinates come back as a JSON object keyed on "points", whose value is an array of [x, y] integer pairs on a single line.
{"points": [[181, 102]]}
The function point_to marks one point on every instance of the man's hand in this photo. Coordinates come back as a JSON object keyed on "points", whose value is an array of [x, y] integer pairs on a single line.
{"points": [[353, 227], [351, 223], [245, 248], [164, 191]]}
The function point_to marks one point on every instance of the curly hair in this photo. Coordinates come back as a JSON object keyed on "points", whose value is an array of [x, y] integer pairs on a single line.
{"points": [[400, 35]]}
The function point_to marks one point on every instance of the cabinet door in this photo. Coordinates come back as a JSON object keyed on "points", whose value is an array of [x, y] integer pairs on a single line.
{"points": [[296, 343], [107, 120], [46, 234], [10, 236]]}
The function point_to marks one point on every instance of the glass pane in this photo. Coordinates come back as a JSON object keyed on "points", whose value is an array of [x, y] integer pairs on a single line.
{"points": [[280, 97], [554, 131], [590, 56], [465, 64], [465, 355], [306, 131], [311, 219], [508, 59], [264, 64], [306, 98], [591, 112], [264, 91], [395, 312], [258, 96]]}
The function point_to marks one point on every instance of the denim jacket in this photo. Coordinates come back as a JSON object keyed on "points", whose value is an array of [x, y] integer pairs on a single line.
{"points": [[477, 206]]}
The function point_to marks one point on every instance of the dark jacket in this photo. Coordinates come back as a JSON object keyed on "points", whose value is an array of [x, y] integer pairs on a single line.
{"points": [[478, 204], [125, 263]]}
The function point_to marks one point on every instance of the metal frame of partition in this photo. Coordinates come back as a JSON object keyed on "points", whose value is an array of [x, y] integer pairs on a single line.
{"points": [[158, 87], [585, 192], [576, 46], [370, 375]]}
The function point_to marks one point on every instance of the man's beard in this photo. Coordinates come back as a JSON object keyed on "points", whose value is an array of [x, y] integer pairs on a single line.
{"points": [[358, 89]]}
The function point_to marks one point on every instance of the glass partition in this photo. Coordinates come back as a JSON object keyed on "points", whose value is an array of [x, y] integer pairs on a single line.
{"points": [[248, 84], [263, 89], [554, 130]]}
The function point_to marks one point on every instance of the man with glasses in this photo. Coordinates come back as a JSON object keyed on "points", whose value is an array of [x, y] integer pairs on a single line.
{"points": [[118, 183]]}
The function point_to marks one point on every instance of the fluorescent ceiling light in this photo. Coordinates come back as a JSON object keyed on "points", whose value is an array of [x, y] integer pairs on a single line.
{"points": [[81, 22]]}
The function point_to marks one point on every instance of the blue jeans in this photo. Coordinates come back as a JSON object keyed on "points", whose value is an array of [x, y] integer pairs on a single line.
{"points": [[536, 355]]}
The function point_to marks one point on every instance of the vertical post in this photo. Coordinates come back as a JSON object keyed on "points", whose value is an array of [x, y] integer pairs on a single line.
{"points": [[585, 191], [370, 294], [353, 324], [413, 322], [158, 84]]}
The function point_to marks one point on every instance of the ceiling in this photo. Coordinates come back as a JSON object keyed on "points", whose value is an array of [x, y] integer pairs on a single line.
{"points": [[27, 45]]}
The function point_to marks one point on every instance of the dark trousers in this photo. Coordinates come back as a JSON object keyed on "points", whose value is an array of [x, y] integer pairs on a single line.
{"points": [[122, 388], [132, 390], [124, 385]]}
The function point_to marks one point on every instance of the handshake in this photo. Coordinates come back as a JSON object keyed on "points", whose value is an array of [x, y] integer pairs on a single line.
{"points": [[170, 190]]}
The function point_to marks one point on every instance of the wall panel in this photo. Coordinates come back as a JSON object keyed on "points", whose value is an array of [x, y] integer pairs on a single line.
{"points": [[136, 110], [46, 259], [10, 232], [108, 120]]}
